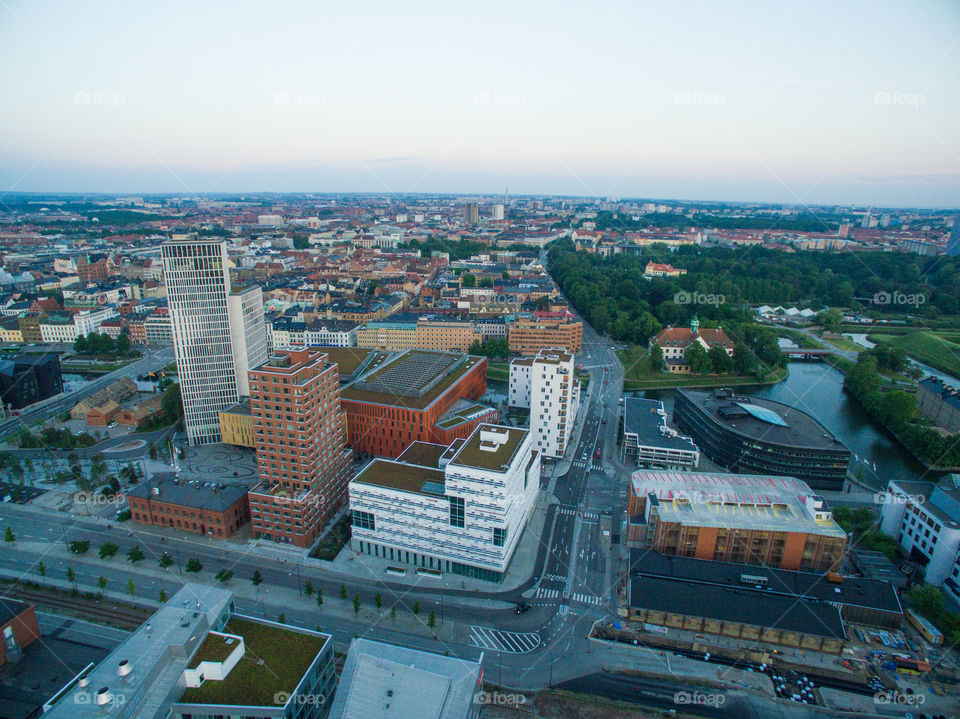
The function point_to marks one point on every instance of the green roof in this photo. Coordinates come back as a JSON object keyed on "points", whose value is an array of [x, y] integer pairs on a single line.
{"points": [[275, 660], [350, 393], [399, 475], [346, 358], [215, 648], [479, 454], [424, 454]]}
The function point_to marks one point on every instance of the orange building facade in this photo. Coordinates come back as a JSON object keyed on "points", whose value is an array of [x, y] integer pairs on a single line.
{"points": [[385, 425]]}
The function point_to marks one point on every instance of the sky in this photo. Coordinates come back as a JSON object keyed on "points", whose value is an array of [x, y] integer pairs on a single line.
{"points": [[853, 102]]}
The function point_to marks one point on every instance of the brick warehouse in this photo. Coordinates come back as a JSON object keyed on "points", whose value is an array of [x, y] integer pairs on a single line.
{"points": [[208, 508], [415, 396]]}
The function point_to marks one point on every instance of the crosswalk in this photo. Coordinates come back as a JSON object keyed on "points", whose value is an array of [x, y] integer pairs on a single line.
{"points": [[584, 513], [546, 593], [501, 641], [581, 464], [555, 577], [585, 598]]}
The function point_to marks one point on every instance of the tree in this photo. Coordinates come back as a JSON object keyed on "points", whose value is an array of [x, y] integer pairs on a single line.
{"points": [[343, 592], [432, 620], [928, 600], [135, 555], [416, 607], [656, 358], [102, 582], [107, 550], [744, 363], [256, 578], [319, 597], [80, 547], [224, 576], [301, 240], [165, 560], [378, 600], [830, 320], [696, 356], [153, 451], [720, 360], [71, 577], [41, 569], [485, 282], [123, 344], [393, 612], [468, 280], [356, 603], [193, 565], [282, 618], [8, 536], [163, 595], [80, 344], [308, 588]]}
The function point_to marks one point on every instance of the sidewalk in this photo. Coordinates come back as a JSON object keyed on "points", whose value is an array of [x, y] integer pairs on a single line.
{"points": [[518, 572]]}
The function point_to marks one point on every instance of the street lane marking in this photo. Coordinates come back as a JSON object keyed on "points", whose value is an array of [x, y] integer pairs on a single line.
{"points": [[503, 641]]}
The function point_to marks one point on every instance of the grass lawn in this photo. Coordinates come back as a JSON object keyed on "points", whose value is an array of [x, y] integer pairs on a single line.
{"points": [[927, 347], [498, 370], [800, 338], [637, 374], [842, 343]]}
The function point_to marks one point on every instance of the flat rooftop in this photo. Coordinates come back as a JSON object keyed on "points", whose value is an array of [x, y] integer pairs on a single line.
{"points": [[275, 660], [463, 410], [710, 499], [424, 454], [412, 379], [385, 681], [643, 418], [241, 408], [870, 593], [481, 451], [733, 604], [405, 477], [192, 493], [347, 358], [757, 418]]}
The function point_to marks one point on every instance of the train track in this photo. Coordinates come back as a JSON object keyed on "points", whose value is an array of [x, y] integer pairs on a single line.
{"points": [[111, 613]]}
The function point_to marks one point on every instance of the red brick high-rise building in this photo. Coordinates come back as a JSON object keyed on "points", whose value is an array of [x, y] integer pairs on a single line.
{"points": [[302, 460]]}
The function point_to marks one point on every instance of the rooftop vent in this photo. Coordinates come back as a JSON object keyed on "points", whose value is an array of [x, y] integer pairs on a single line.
{"points": [[104, 697], [124, 668]]}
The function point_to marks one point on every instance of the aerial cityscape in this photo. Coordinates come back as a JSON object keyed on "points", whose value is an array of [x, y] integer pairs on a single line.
{"points": [[434, 362]]}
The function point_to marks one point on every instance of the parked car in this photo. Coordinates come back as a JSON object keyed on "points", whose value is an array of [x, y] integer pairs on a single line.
{"points": [[521, 608]]}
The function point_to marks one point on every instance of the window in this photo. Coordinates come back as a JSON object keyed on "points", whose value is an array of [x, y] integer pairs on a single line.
{"points": [[364, 520], [499, 536], [456, 512]]}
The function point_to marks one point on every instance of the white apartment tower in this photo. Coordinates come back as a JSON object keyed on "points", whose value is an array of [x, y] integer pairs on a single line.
{"points": [[217, 335], [546, 384]]}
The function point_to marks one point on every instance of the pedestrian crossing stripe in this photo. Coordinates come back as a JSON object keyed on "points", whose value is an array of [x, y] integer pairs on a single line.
{"points": [[544, 593], [585, 598], [584, 514]]}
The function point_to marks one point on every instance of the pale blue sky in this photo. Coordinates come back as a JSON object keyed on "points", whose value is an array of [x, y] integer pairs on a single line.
{"points": [[819, 102]]}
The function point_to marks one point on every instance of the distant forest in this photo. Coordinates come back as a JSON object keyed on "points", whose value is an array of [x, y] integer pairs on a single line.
{"points": [[720, 284]]}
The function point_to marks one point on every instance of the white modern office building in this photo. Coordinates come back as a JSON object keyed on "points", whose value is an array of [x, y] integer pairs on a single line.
{"points": [[458, 509], [925, 520], [547, 386], [217, 335]]}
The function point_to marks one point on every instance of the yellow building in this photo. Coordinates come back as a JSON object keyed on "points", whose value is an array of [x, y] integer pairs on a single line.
{"points": [[445, 336], [387, 336], [236, 425], [529, 336], [10, 331]]}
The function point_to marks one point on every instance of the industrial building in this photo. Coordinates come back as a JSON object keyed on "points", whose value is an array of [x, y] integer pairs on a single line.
{"points": [[759, 436], [193, 505]]}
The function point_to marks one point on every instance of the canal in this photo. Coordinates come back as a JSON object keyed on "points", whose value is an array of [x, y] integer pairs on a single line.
{"points": [[817, 389]]}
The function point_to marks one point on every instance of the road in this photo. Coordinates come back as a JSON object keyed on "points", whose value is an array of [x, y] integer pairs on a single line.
{"points": [[152, 359]]}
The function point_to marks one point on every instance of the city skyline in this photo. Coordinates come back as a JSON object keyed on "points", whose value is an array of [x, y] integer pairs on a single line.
{"points": [[806, 105]]}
